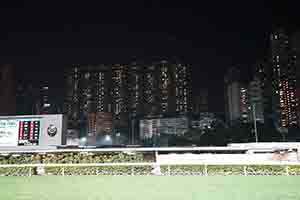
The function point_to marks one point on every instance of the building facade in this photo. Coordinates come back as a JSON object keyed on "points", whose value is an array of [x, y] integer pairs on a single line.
{"points": [[256, 100], [283, 76], [236, 97], [200, 101], [296, 48], [126, 91]]}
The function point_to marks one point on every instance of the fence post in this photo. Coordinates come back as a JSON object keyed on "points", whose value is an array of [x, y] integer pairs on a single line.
{"points": [[30, 171], [132, 171], [287, 171], [245, 171], [169, 170], [63, 171], [205, 170]]}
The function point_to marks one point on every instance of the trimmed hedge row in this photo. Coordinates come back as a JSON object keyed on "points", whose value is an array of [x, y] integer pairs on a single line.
{"points": [[16, 171], [76, 158], [230, 170], [71, 158], [119, 170], [165, 170]]}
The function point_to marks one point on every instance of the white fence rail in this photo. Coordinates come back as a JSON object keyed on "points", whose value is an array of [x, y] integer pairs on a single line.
{"points": [[161, 168]]}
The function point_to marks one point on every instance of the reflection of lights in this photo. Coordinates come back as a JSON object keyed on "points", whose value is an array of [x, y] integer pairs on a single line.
{"points": [[47, 105], [83, 140], [107, 138]]}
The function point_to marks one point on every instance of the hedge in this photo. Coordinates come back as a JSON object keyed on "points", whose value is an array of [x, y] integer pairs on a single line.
{"points": [[115, 170], [165, 170], [76, 158], [71, 158]]}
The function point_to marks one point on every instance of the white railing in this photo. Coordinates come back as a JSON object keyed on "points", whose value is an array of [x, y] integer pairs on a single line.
{"points": [[168, 168]]}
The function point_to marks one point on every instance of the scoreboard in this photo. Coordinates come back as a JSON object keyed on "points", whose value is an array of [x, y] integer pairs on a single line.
{"points": [[29, 132], [33, 130]]}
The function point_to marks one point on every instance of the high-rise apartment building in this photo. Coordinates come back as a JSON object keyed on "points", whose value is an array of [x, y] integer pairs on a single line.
{"points": [[236, 97], [256, 100], [166, 73], [71, 100], [244, 103], [135, 89], [183, 88], [283, 76], [120, 92], [126, 91], [295, 39], [87, 91], [44, 102], [102, 99], [174, 88], [150, 91]]}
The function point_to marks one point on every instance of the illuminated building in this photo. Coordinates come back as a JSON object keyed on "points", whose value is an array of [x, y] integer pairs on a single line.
{"points": [[263, 93], [173, 93], [236, 97], [256, 97], [183, 88], [120, 92], [283, 64], [165, 86], [206, 121], [99, 124], [71, 101], [244, 103], [296, 47], [150, 127], [44, 103], [87, 91], [126, 91], [101, 92], [150, 91], [135, 89]]}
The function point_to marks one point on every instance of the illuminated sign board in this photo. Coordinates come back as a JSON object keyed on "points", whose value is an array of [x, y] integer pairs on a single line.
{"points": [[33, 130]]}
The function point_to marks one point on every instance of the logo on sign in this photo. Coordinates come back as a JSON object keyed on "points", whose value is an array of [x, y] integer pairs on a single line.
{"points": [[52, 130]]}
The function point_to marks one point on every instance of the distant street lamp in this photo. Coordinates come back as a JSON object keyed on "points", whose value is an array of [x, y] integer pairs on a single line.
{"points": [[83, 141], [254, 121], [107, 138]]}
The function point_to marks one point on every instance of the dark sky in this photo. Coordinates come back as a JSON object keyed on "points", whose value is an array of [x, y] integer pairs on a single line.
{"points": [[41, 37]]}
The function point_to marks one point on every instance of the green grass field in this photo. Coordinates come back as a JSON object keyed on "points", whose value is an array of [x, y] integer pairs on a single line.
{"points": [[149, 188]]}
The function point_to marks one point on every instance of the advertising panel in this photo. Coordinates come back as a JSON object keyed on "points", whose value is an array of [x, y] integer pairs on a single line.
{"points": [[9, 130]]}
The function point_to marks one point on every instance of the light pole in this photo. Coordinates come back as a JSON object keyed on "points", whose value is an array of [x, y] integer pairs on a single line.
{"points": [[254, 121]]}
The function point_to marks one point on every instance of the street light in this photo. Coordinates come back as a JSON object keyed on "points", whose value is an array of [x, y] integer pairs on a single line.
{"points": [[254, 121], [83, 141], [107, 138]]}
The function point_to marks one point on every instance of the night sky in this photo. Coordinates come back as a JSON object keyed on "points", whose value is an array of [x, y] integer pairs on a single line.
{"points": [[40, 38]]}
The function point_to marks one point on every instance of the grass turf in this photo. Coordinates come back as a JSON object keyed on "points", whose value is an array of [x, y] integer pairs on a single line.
{"points": [[149, 188]]}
